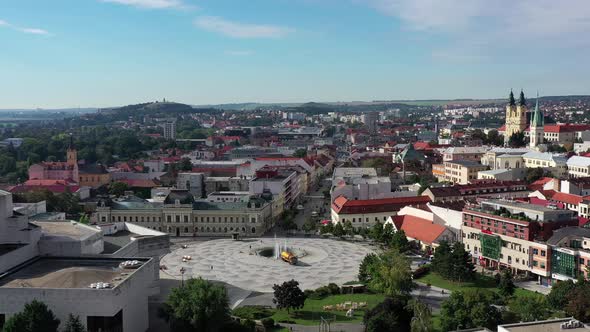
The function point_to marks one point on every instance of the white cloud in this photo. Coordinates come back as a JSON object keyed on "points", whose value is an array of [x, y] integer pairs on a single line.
{"points": [[151, 4], [497, 24], [34, 31], [241, 30]]}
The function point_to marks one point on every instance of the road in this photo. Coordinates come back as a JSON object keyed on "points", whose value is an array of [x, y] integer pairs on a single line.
{"points": [[314, 201]]}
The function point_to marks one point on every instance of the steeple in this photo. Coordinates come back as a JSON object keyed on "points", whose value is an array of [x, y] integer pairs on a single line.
{"points": [[511, 100], [521, 99], [537, 119]]}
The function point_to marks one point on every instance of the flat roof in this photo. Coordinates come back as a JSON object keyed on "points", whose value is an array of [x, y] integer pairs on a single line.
{"points": [[8, 247], [114, 242], [524, 206], [63, 273], [552, 325], [75, 231]]}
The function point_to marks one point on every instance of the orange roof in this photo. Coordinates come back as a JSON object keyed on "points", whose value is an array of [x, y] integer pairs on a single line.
{"points": [[344, 205], [421, 229], [567, 198]]}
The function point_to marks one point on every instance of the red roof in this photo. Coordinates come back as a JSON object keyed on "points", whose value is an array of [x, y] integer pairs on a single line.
{"points": [[420, 229], [567, 198], [346, 206]]}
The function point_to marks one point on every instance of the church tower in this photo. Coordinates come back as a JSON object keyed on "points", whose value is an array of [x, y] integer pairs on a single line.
{"points": [[537, 128], [72, 153], [515, 116]]}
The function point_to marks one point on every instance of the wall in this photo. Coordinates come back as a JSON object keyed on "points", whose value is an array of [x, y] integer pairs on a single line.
{"points": [[16, 257]]}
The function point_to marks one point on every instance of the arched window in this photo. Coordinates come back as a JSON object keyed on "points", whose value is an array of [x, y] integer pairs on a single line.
{"points": [[253, 230]]}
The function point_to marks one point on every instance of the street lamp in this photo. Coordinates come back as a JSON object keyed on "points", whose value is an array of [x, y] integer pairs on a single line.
{"points": [[182, 271]]}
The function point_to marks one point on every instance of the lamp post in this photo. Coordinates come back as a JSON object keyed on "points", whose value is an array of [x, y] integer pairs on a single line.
{"points": [[182, 271]]}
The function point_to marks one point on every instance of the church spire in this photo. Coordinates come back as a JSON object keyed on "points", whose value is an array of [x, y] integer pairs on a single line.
{"points": [[511, 100], [537, 119], [521, 100]]}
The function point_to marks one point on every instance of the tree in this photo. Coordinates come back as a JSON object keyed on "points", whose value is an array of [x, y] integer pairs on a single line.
{"points": [[74, 324], [288, 295], [534, 174], [393, 314], [338, 229], [442, 260], [118, 188], [300, 153], [35, 317], [506, 285], [392, 275], [494, 138], [347, 228], [558, 297], [422, 320], [309, 226], [465, 310], [387, 234], [529, 308], [399, 241], [578, 302], [463, 268], [517, 140], [376, 232], [186, 164], [198, 305], [367, 267]]}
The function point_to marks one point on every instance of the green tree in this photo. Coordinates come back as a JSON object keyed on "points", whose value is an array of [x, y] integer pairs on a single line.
{"points": [[367, 267], [35, 317], [578, 302], [393, 314], [73, 324], [393, 275], [399, 241], [387, 234], [442, 260], [506, 284], [422, 320], [338, 229], [288, 295], [534, 174], [186, 164], [466, 310], [558, 297], [118, 188], [517, 140], [300, 153], [198, 305], [529, 308], [376, 232], [462, 266], [348, 229]]}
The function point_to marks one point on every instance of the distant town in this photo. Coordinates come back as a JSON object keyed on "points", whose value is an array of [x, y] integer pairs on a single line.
{"points": [[459, 215]]}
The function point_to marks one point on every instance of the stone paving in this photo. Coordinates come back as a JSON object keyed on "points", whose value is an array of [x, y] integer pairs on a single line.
{"points": [[237, 262]]}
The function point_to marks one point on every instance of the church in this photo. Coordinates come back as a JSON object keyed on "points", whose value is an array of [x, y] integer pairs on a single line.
{"points": [[516, 121]]}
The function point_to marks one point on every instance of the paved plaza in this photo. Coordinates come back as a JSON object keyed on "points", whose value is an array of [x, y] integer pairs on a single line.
{"points": [[238, 263]]}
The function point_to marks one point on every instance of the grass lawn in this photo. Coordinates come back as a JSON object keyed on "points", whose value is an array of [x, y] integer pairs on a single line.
{"points": [[313, 309], [481, 282]]}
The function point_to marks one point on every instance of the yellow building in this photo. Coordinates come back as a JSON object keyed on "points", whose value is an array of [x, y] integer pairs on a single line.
{"points": [[515, 116]]}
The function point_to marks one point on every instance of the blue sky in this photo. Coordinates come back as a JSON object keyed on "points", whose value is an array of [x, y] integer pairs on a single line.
{"points": [[69, 53]]}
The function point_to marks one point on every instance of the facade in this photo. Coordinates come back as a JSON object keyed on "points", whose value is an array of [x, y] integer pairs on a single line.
{"points": [[512, 234], [459, 171], [284, 184], [515, 116], [490, 189], [578, 167], [554, 163], [370, 119], [57, 170], [359, 183], [169, 130], [366, 213], [181, 215], [471, 153], [93, 176], [496, 157], [193, 182]]}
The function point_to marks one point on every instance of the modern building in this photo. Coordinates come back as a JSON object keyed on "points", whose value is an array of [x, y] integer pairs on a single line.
{"points": [[359, 183], [169, 130], [458, 171], [370, 119], [488, 189], [550, 325]]}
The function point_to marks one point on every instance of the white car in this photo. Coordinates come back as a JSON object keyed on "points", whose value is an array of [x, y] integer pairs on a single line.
{"points": [[300, 207]]}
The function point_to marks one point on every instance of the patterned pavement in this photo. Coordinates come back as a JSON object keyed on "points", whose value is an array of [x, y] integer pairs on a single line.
{"points": [[236, 262]]}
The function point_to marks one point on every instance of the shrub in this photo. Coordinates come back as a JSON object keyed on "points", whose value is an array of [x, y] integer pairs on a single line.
{"points": [[252, 312], [309, 293], [334, 289], [268, 323]]}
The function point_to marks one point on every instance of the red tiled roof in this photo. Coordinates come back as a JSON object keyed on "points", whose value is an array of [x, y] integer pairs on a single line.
{"points": [[568, 198], [420, 229], [345, 206]]}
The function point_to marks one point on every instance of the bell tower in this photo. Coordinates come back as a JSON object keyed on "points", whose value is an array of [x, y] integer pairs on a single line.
{"points": [[72, 153], [515, 116]]}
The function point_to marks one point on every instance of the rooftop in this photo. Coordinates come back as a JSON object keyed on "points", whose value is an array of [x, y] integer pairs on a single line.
{"points": [[466, 163], [60, 229], [114, 242], [60, 273], [551, 325]]}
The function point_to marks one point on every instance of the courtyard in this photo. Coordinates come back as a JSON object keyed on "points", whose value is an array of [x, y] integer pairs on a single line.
{"points": [[240, 263]]}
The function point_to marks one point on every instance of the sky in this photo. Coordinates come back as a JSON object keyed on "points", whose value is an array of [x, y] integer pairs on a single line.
{"points": [[100, 53]]}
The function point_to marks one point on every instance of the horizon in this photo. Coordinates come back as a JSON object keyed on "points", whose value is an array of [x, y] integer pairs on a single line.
{"points": [[202, 52]]}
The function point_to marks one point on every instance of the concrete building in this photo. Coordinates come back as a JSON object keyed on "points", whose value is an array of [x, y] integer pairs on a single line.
{"points": [[359, 183], [370, 119], [470, 153], [490, 157], [550, 325], [193, 182], [229, 196], [181, 215], [169, 130], [459, 171], [489, 189]]}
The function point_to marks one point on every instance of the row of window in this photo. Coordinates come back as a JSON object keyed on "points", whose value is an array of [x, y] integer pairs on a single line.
{"points": [[177, 218]]}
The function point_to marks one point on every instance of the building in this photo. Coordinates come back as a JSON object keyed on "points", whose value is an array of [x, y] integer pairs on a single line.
{"points": [[181, 215], [169, 129], [470, 153], [551, 325], [57, 170], [554, 163], [516, 121], [359, 183], [512, 234], [426, 233], [369, 119], [229, 196], [193, 182], [93, 175], [458, 171], [283, 184], [496, 157], [366, 213], [537, 129], [489, 189], [578, 167]]}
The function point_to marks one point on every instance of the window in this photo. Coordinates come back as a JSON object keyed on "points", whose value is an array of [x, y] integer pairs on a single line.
{"points": [[168, 218], [543, 253], [186, 220], [535, 251], [177, 218], [581, 261]]}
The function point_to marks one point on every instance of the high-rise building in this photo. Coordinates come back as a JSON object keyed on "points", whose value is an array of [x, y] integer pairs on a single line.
{"points": [[170, 130], [515, 116], [369, 119]]}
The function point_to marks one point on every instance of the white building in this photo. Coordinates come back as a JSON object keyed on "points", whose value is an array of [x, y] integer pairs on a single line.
{"points": [[555, 163], [169, 130], [578, 166]]}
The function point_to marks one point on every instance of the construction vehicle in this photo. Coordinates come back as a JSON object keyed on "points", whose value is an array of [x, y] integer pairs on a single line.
{"points": [[289, 257]]}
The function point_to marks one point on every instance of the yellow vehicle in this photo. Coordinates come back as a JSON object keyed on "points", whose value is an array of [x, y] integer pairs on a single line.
{"points": [[289, 257]]}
